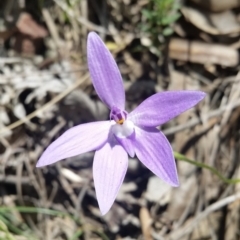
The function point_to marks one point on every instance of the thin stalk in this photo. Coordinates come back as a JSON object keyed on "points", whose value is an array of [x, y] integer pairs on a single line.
{"points": [[181, 157]]}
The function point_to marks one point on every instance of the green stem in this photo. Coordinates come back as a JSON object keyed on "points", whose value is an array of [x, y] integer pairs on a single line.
{"points": [[23, 209], [77, 235], [11, 227], [181, 157], [102, 235]]}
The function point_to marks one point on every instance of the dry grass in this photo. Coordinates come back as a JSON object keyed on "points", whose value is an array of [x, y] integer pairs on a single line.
{"points": [[47, 90]]}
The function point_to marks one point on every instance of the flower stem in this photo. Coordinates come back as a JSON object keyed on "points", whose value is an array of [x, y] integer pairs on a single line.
{"points": [[181, 157]]}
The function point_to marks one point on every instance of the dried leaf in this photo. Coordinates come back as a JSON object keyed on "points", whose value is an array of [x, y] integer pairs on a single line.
{"points": [[216, 5], [204, 53], [212, 23], [27, 25], [158, 191]]}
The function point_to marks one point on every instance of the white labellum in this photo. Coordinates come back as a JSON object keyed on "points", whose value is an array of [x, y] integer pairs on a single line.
{"points": [[124, 130]]}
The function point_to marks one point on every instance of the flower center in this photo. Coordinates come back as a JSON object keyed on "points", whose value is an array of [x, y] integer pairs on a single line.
{"points": [[124, 128]]}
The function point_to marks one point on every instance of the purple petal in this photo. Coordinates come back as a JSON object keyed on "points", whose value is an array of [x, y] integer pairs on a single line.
{"points": [[80, 139], [162, 107], [104, 72], [155, 152], [127, 144], [109, 169]]}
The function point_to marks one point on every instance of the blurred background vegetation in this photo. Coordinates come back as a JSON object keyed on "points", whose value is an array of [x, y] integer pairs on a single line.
{"points": [[45, 89]]}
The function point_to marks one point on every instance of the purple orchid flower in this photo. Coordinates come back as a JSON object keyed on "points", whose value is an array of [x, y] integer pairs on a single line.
{"points": [[125, 133]]}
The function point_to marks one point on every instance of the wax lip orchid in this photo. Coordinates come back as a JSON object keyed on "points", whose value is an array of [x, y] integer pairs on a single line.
{"points": [[125, 133]]}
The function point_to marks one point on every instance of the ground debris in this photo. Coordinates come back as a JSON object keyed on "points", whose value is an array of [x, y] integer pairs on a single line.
{"points": [[48, 91]]}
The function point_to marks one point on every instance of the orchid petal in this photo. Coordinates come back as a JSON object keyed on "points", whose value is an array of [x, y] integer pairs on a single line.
{"points": [[127, 144], [109, 169], [80, 139], [104, 72], [162, 107], [155, 152]]}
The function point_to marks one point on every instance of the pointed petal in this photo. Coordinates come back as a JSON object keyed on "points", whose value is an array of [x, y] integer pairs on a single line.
{"points": [[109, 169], [80, 139], [127, 144], [104, 72], [155, 152], [162, 107]]}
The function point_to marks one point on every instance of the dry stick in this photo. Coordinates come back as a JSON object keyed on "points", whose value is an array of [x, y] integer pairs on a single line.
{"points": [[193, 122], [52, 28], [46, 106], [215, 206], [234, 95], [84, 29], [12, 179], [187, 209], [146, 222], [20, 194], [89, 25]]}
